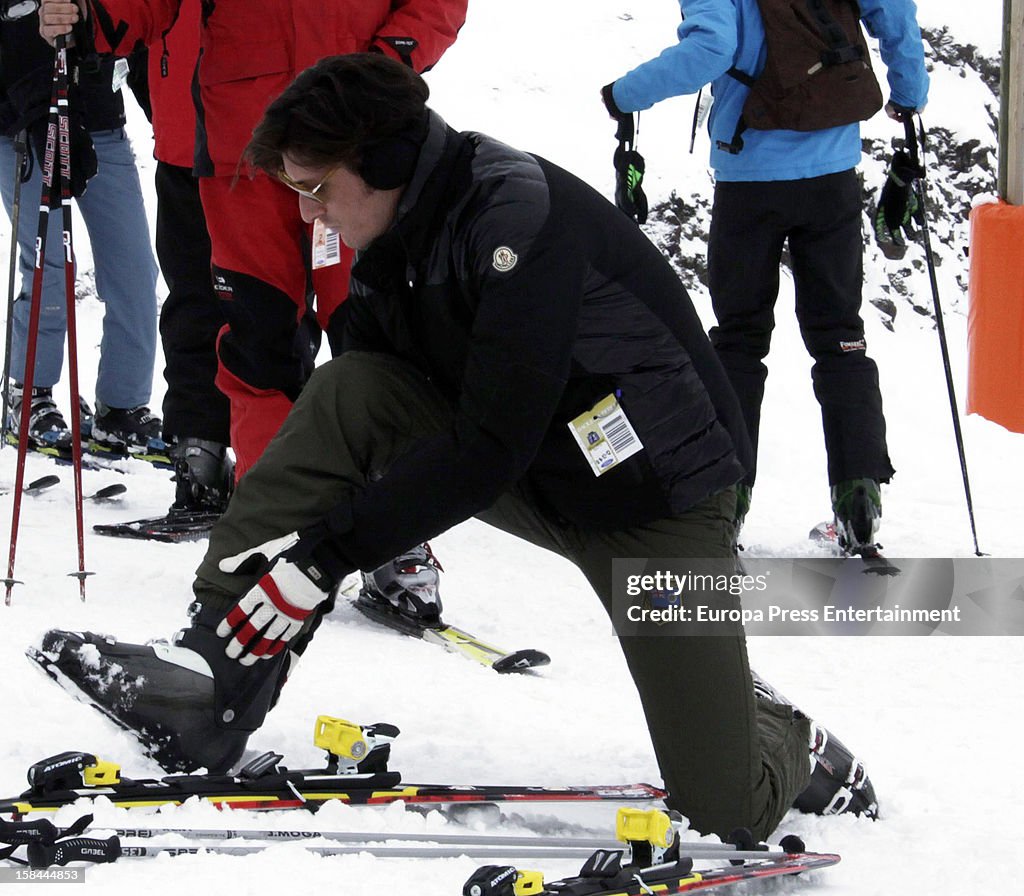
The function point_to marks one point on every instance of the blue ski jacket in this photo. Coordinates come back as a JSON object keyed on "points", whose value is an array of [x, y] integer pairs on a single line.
{"points": [[716, 35]]}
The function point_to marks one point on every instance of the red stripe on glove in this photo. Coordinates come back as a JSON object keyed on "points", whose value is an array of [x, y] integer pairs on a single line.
{"points": [[270, 588]]}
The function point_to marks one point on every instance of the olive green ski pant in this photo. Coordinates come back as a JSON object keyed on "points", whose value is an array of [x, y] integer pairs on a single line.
{"points": [[727, 760]]}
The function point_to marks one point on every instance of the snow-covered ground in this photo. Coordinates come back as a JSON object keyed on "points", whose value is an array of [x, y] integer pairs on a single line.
{"points": [[934, 718]]}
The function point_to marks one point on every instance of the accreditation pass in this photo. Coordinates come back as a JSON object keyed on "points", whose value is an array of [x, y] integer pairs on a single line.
{"points": [[605, 435], [326, 246]]}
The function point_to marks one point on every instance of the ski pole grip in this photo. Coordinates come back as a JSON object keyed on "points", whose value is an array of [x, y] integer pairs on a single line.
{"points": [[74, 849], [20, 832]]}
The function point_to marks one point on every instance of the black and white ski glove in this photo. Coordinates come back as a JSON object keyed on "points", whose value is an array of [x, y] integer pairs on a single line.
{"points": [[629, 164], [291, 587], [898, 207]]}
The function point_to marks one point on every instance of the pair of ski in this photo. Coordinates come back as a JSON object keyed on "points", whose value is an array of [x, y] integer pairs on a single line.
{"points": [[45, 483], [654, 859], [174, 526], [101, 457]]}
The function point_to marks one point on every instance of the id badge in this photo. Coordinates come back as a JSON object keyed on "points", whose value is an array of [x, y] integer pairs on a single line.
{"points": [[326, 246], [605, 435], [121, 70]]}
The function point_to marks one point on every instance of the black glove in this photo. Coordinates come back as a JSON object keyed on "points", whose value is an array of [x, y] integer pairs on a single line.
{"points": [[29, 98], [12, 10], [898, 208], [629, 164], [625, 133], [900, 113]]}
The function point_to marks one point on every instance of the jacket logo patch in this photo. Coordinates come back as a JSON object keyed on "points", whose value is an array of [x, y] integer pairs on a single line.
{"points": [[858, 345], [504, 259]]}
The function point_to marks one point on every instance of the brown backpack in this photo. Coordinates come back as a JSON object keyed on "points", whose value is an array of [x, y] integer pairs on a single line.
{"points": [[817, 74]]}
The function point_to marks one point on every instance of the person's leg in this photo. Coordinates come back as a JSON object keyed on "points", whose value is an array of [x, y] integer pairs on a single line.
{"points": [[188, 702], [727, 761], [744, 249], [357, 414], [53, 311], [126, 273], [826, 250], [191, 316], [261, 276]]}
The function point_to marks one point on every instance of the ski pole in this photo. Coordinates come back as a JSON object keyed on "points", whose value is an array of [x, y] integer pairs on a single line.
{"points": [[64, 128], [919, 189], [48, 164], [20, 154], [103, 850], [489, 841], [44, 830]]}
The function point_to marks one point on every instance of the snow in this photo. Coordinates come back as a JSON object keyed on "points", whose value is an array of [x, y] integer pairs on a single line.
{"points": [[933, 718], [980, 23]]}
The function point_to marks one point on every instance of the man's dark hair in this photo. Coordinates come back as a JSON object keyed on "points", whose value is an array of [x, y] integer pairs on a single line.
{"points": [[336, 110]]}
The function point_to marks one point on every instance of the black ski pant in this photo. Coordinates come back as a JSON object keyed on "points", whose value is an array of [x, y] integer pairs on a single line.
{"points": [[820, 218], [192, 314], [727, 761]]}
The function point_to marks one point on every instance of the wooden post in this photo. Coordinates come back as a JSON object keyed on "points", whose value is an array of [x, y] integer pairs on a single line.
{"points": [[1011, 105]]}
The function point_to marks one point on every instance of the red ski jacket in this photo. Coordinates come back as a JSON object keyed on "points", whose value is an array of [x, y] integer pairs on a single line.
{"points": [[172, 64], [252, 49]]}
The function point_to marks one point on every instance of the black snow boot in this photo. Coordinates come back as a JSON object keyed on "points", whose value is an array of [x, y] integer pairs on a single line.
{"points": [[188, 704], [126, 429], [204, 476], [46, 426], [857, 505], [838, 780]]}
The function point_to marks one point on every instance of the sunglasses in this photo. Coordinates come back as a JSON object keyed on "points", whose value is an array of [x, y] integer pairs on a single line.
{"points": [[309, 192]]}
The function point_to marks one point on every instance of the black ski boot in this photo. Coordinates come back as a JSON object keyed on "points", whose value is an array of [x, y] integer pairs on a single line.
{"points": [[857, 505], [188, 704], [403, 593], [47, 429], [839, 782], [126, 429], [85, 418], [204, 476]]}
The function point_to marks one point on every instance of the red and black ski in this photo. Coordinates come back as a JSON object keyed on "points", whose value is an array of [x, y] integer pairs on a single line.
{"points": [[264, 784]]}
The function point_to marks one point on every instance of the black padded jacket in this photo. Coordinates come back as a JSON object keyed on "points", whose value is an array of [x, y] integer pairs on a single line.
{"points": [[26, 76], [525, 297]]}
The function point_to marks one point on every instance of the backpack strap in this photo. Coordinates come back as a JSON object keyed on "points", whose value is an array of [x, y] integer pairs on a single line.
{"points": [[840, 49], [736, 144]]}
